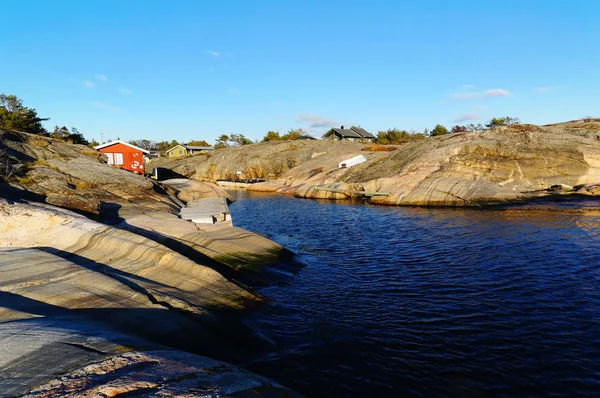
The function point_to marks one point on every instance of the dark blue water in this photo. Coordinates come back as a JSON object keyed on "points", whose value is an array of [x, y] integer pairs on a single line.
{"points": [[431, 302]]}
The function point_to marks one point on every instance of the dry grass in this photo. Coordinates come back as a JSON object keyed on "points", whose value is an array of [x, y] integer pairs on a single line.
{"points": [[523, 128], [39, 162], [316, 171], [90, 152], [81, 184], [25, 180], [379, 148], [39, 141]]}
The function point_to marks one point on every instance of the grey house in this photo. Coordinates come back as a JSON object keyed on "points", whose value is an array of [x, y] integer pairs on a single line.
{"points": [[357, 134]]}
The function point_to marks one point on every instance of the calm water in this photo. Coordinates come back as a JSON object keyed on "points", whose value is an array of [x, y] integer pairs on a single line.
{"points": [[431, 302]]}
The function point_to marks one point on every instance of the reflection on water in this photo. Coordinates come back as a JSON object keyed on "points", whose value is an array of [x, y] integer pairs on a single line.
{"points": [[431, 302]]}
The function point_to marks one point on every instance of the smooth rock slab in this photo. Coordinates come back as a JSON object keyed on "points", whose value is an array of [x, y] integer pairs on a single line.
{"points": [[190, 190], [52, 357]]}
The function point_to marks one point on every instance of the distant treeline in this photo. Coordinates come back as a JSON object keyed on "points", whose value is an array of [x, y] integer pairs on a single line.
{"points": [[395, 136], [15, 116]]}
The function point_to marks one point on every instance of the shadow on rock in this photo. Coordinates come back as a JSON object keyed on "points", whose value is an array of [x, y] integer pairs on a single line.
{"points": [[214, 332]]}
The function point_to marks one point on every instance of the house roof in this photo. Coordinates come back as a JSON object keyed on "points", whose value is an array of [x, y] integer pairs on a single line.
{"points": [[344, 133], [364, 133], [193, 147], [169, 150], [198, 148], [98, 147]]}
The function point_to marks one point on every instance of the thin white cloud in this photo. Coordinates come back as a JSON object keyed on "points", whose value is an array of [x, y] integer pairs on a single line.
{"points": [[100, 77], [316, 120], [214, 54], [89, 84], [234, 90], [124, 91], [541, 90], [106, 106], [475, 95], [466, 117], [466, 96], [496, 92]]}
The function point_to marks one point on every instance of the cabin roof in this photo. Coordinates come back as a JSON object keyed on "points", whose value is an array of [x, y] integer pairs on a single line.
{"points": [[343, 133], [198, 148], [193, 147], [353, 132], [364, 133], [98, 147]]}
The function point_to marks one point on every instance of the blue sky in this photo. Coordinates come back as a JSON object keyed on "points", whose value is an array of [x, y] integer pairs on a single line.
{"points": [[186, 70]]}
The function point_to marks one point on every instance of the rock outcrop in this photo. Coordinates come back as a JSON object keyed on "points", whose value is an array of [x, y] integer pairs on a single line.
{"points": [[76, 178], [49, 357], [100, 259], [503, 165]]}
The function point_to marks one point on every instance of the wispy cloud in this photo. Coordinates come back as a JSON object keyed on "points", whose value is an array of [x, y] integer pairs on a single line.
{"points": [[234, 90], [89, 84], [106, 106], [124, 91], [468, 116], [100, 77], [465, 96], [496, 92], [542, 90], [468, 95], [214, 54], [316, 120]]}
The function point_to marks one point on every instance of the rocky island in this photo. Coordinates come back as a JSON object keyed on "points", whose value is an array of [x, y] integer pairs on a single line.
{"points": [[506, 164]]}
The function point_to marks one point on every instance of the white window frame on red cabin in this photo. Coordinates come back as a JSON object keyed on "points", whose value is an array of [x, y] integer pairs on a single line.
{"points": [[118, 158], [111, 159]]}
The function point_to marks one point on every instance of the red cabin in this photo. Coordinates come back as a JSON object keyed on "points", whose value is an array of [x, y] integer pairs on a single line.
{"points": [[124, 155]]}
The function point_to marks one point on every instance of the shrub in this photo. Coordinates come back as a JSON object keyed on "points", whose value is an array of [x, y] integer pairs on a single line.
{"points": [[438, 130], [502, 121], [394, 136], [458, 129]]}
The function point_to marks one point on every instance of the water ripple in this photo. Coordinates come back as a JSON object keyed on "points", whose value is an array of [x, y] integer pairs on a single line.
{"points": [[431, 302]]}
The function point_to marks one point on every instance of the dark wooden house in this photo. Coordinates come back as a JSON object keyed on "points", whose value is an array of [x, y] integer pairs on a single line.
{"points": [[357, 134]]}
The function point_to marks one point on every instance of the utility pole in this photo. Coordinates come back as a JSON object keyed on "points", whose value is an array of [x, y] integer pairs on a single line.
{"points": [[101, 139]]}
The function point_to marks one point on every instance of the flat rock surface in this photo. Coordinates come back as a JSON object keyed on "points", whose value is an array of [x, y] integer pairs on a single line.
{"points": [[97, 362], [190, 190]]}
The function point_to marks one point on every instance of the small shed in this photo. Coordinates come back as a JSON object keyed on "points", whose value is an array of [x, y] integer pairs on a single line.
{"points": [[353, 161], [124, 155]]}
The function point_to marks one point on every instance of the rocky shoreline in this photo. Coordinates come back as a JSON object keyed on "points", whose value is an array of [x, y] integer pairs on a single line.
{"points": [[107, 290], [504, 165], [100, 274]]}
